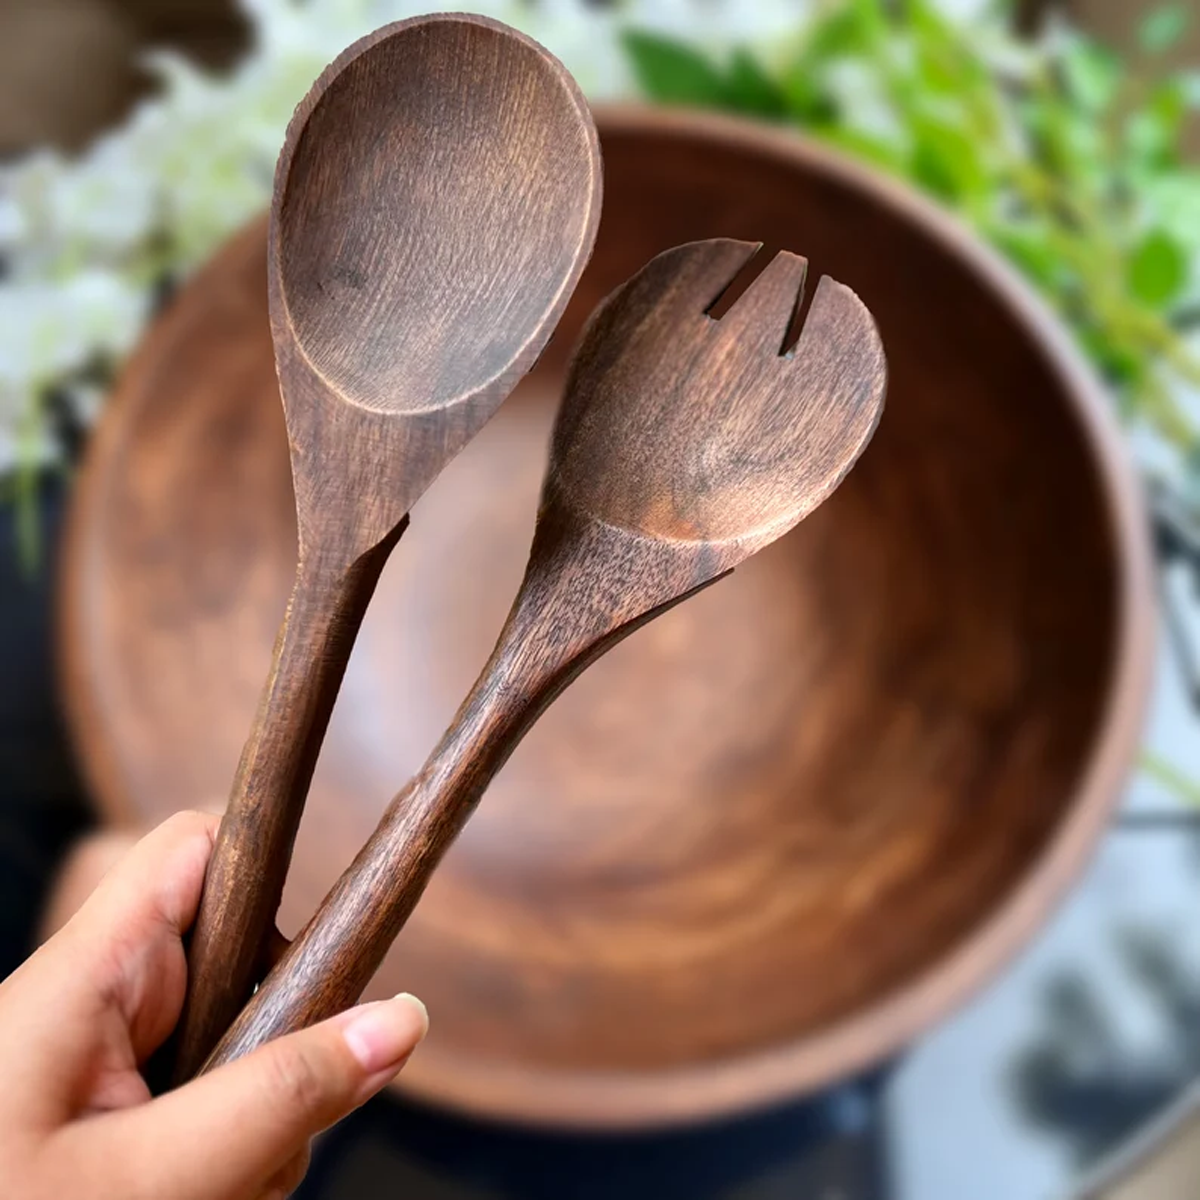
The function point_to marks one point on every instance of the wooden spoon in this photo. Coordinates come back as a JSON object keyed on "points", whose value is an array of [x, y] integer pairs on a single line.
{"points": [[684, 445], [436, 200]]}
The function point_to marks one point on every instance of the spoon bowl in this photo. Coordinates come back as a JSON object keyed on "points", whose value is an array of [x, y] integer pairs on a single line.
{"points": [[402, 266]]}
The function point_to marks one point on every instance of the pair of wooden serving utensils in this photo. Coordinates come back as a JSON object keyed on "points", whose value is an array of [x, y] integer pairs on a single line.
{"points": [[436, 201]]}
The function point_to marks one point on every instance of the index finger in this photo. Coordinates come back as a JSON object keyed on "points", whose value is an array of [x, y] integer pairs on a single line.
{"points": [[120, 958]]}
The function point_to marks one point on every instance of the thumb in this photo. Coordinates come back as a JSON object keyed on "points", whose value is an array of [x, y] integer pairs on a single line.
{"points": [[228, 1133]]}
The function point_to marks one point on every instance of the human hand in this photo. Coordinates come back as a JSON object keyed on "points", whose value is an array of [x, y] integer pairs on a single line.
{"points": [[81, 1016]]}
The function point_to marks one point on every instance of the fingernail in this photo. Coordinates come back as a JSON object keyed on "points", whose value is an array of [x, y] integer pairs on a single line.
{"points": [[418, 1006], [381, 1036]]}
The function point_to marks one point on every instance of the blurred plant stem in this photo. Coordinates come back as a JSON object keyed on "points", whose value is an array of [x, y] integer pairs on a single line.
{"points": [[1171, 777]]}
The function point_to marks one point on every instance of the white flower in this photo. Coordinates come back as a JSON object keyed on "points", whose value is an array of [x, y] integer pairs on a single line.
{"points": [[103, 202], [14, 228], [49, 329]]}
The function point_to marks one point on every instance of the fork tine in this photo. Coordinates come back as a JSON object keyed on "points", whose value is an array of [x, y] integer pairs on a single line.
{"points": [[761, 318], [705, 270], [686, 280], [840, 332]]}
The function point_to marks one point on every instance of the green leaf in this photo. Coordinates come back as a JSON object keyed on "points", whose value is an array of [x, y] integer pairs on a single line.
{"points": [[1065, 139], [1092, 75], [807, 101], [672, 73], [1168, 103], [751, 90], [1153, 132], [874, 16], [1163, 28], [845, 30], [863, 145], [1158, 269], [1029, 249], [946, 160], [1116, 362], [930, 24], [939, 72]]}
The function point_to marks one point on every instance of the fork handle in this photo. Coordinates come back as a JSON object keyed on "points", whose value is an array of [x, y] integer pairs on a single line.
{"points": [[327, 966], [331, 961], [562, 620]]}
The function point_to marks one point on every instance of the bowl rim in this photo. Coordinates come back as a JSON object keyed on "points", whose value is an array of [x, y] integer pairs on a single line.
{"points": [[557, 1098]]}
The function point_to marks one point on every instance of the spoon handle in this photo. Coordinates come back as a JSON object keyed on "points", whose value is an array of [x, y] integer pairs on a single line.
{"points": [[253, 849], [564, 618]]}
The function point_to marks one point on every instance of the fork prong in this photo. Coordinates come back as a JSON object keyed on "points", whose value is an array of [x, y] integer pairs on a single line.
{"points": [[686, 280], [702, 272], [762, 317], [839, 328]]}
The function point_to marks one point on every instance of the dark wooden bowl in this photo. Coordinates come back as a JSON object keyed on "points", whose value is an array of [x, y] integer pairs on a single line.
{"points": [[774, 835]]}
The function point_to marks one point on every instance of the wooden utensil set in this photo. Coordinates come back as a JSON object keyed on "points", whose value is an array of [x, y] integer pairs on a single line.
{"points": [[436, 201]]}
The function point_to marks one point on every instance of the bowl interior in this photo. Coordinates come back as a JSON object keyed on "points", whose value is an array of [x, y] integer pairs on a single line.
{"points": [[769, 810]]}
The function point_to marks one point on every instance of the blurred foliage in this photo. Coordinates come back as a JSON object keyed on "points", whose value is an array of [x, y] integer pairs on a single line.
{"points": [[1063, 155]]}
